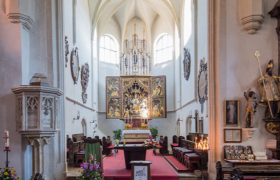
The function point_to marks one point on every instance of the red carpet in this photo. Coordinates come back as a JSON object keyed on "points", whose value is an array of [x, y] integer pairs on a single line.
{"points": [[180, 168], [114, 168]]}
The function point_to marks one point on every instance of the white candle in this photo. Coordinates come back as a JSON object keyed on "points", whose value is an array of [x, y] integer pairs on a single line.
{"points": [[6, 139]]}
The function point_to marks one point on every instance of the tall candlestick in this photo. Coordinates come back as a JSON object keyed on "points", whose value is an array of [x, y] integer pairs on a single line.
{"points": [[6, 139]]}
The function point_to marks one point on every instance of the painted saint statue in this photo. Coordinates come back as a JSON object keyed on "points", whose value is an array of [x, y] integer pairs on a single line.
{"points": [[270, 90]]}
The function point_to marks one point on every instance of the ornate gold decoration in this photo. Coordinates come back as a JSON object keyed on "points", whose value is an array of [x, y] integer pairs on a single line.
{"points": [[270, 127]]}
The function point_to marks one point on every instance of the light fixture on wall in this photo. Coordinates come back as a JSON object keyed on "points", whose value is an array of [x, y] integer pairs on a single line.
{"points": [[93, 121], [78, 116]]}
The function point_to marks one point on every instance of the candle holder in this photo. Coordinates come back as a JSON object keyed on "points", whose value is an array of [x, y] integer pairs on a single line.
{"points": [[7, 157], [201, 149]]}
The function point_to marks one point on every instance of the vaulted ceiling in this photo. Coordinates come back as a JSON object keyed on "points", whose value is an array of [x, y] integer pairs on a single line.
{"points": [[101, 11]]}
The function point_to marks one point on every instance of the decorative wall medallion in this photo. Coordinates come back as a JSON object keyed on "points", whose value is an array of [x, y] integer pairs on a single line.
{"points": [[84, 81], [202, 83], [187, 64], [75, 65], [66, 50]]}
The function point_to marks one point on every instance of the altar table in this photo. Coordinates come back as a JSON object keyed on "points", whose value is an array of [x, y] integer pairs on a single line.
{"points": [[136, 135], [133, 152]]}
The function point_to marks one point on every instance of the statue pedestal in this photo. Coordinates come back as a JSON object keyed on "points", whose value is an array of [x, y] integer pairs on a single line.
{"points": [[272, 125], [249, 132]]}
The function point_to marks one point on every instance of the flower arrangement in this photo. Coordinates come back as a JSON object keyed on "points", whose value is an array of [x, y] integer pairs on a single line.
{"points": [[91, 170], [145, 126], [8, 173], [127, 125], [150, 143]]}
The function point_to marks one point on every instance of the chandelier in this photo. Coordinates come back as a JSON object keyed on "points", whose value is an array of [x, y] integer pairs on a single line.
{"points": [[135, 60]]}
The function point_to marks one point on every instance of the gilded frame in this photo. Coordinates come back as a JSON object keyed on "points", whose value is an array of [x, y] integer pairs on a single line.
{"points": [[227, 113]]}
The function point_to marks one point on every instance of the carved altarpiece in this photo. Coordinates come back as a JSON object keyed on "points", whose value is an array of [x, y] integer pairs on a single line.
{"points": [[135, 97]]}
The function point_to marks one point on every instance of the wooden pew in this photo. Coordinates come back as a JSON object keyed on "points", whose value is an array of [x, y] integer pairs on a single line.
{"points": [[163, 142], [76, 147], [106, 143]]}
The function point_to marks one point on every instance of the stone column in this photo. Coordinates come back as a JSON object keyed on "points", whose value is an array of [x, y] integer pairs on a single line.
{"points": [[38, 155]]}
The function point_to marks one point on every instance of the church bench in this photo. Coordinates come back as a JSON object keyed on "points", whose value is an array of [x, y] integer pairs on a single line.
{"points": [[192, 161], [106, 142], [75, 146], [163, 142], [175, 150]]}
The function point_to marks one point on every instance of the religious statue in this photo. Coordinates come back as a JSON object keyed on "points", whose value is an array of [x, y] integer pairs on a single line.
{"points": [[251, 107], [268, 86]]}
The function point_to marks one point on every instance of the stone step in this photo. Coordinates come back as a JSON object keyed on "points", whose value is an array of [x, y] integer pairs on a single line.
{"points": [[71, 178]]}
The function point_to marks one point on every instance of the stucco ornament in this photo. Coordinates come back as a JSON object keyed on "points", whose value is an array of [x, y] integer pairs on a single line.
{"points": [[202, 83], [66, 50], [187, 64], [84, 81], [75, 68]]}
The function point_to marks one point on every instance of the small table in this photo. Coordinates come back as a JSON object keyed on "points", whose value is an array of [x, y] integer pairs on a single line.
{"points": [[133, 152]]}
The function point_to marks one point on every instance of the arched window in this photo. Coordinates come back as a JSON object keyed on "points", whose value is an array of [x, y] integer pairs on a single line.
{"points": [[108, 50], [164, 49]]}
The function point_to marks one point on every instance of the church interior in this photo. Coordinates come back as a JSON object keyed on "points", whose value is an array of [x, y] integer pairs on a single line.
{"points": [[140, 89]]}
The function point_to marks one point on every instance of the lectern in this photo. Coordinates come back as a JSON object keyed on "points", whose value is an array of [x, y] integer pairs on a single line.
{"points": [[141, 170]]}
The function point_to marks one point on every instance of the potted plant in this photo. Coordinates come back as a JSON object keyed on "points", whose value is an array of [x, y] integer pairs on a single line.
{"points": [[154, 132], [117, 135]]}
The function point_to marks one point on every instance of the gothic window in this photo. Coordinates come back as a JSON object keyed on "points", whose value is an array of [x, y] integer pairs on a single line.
{"points": [[108, 50], [164, 49]]}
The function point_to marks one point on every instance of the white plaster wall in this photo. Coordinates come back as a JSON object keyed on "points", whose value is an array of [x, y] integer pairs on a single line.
{"points": [[239, 70], [193, 37], [41, 47], [107, 126], [158, 29], [11, 76], [74, 91]]}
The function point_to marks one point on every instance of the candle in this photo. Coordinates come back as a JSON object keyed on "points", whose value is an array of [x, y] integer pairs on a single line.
{"points": [[123, 141], [6, 139], [201, 137]]}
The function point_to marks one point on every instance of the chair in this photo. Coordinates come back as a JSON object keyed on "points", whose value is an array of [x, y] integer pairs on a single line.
{"points": [[93, 146]]}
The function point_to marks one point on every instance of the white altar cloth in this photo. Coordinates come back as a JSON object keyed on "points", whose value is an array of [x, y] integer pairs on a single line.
{"points": [[136, 132]]}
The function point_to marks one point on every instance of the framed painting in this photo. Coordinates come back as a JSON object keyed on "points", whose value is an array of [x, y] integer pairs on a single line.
{"points": [[158, 108], [158, 86], [113, 86], [113, 98], [232, 135], [231, 113], [113, 108], [158, 91]]}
